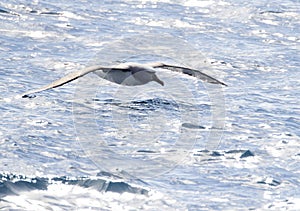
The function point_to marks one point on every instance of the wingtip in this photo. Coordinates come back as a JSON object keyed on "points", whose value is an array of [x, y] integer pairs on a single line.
{"points": [[218, 82], [224, 84]]}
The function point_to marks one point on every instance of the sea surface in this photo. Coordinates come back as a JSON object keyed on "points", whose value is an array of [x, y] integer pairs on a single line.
{"points": [[188, 145]]}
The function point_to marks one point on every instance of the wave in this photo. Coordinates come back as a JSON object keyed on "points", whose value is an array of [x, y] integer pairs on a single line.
{"points": [[12, 184]]}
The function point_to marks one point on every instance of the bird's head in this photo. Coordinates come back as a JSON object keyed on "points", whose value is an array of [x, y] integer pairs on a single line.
{"points": [[156, 79], [145, 74]]}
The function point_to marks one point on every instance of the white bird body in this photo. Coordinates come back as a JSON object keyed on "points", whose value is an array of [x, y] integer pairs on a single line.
{"points": [[128, 74]]}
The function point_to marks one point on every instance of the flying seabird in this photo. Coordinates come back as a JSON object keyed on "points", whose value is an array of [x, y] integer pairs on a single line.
{"points": [[128, 74]]}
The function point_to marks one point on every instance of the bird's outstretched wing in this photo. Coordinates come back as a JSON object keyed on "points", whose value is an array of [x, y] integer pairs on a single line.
{"points": [[66, 79], [188, 71], [122, 67]]}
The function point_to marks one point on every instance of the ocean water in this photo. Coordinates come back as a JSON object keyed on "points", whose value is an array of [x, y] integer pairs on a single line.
{"points": [[189, 145]]}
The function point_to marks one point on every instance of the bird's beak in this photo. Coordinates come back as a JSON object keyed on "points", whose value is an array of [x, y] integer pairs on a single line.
{"points": [[156, 79]]}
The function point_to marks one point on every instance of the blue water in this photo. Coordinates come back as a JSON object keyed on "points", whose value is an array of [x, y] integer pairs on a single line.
{"points": [[188, 145]]}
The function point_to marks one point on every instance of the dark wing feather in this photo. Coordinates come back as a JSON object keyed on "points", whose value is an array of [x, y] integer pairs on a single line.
{"points": [[191, 72], [66, 79]]}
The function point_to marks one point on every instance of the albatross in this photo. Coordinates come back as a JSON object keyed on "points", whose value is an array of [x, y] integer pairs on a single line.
{"points": [[128, 74]]}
